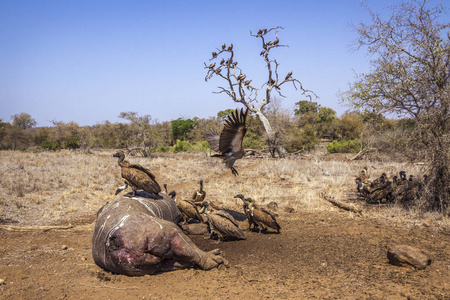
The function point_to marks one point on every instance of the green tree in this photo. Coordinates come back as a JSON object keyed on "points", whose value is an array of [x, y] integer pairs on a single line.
{"points": [[181, 127], [350, 126], [23, 121], [320, 118], [19, 134], [3, 132], [201, 126], [223, 114], [45, 138], [410, 76]]}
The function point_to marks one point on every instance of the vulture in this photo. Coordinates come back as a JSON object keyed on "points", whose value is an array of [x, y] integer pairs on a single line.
{"points": [[199, 196], [402, 175], [247, 211], [362, 187], [259, 216], [138, 177], [381, 194], [378, 183], [229, 143], [221, 224], [187, 208], [288, 76], [364, 175]]}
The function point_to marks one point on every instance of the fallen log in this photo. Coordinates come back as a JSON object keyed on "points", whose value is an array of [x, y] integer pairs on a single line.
{"points": [[361, 153], [342, 205], [45, 228]]}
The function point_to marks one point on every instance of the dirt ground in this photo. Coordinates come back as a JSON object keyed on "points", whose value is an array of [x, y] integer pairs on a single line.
{"points": [[328, 255]]}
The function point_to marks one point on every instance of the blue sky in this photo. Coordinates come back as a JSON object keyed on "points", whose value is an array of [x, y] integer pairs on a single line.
{"points": [[87, 61]]}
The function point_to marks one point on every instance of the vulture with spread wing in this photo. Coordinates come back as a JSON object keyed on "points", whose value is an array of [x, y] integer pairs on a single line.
{"points": [[229, 143], [138, 177]]}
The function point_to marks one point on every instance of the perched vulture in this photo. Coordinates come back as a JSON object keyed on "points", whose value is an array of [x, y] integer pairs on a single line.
{"points": [[247, 211], [229, 143], [187, 208], [364, 175], [258, 215], [199, 196], [138, 177], [221, 224]]}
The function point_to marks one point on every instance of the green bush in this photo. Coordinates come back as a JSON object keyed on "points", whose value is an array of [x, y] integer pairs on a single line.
{"points": [[162, 149], [182, 146], [342, 146], [202, 146], [50, 145], [72, 143]]}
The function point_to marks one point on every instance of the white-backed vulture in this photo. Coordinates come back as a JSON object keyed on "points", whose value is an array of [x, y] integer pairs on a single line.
{"points": [[187, 208], [199, 196], [136, 176], [229, 143], [260, 216], [221, 224], [247, 211]]}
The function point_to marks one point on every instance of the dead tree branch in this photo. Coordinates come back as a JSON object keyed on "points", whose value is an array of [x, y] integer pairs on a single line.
{"points": [[342, 205], [239, 87]]}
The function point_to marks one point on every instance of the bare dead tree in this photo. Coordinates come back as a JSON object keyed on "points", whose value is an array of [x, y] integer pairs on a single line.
{"points": [[239, 88]]}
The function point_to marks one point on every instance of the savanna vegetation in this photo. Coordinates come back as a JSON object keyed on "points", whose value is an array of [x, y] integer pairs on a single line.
{"points": [[399, 111], [335, 229]]}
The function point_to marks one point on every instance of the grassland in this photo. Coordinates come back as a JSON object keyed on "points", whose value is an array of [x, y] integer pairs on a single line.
{"points": [[57, 187]]}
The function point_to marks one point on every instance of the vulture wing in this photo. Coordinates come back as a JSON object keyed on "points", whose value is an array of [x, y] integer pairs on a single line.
{"points": [[141, 178], [226, 215], [141, 168], [233, 132], [226, 227], [213, 139], [265, 217]]}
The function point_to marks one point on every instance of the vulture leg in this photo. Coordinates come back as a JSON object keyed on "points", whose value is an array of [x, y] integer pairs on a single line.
{"points": [[234, 171]]}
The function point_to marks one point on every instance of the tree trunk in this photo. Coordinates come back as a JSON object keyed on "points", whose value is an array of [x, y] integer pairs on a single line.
{"points": [[272, 138]]}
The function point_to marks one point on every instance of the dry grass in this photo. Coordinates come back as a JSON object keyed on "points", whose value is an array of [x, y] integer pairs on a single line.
{"points": [[56, 188]]}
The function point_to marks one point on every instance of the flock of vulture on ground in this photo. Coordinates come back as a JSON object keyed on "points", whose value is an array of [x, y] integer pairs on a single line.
{"points": [[221, 224], [399, 189]]}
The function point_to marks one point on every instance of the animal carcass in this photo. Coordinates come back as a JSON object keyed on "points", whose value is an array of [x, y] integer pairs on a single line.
{"points": [[139, 235]]}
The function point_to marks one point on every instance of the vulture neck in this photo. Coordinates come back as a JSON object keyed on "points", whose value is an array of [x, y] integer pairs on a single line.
{"points": [[122, 161], [205, 210]]}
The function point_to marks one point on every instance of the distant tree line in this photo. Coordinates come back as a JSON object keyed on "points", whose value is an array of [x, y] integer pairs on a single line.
{"points": [[300, 131]]}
